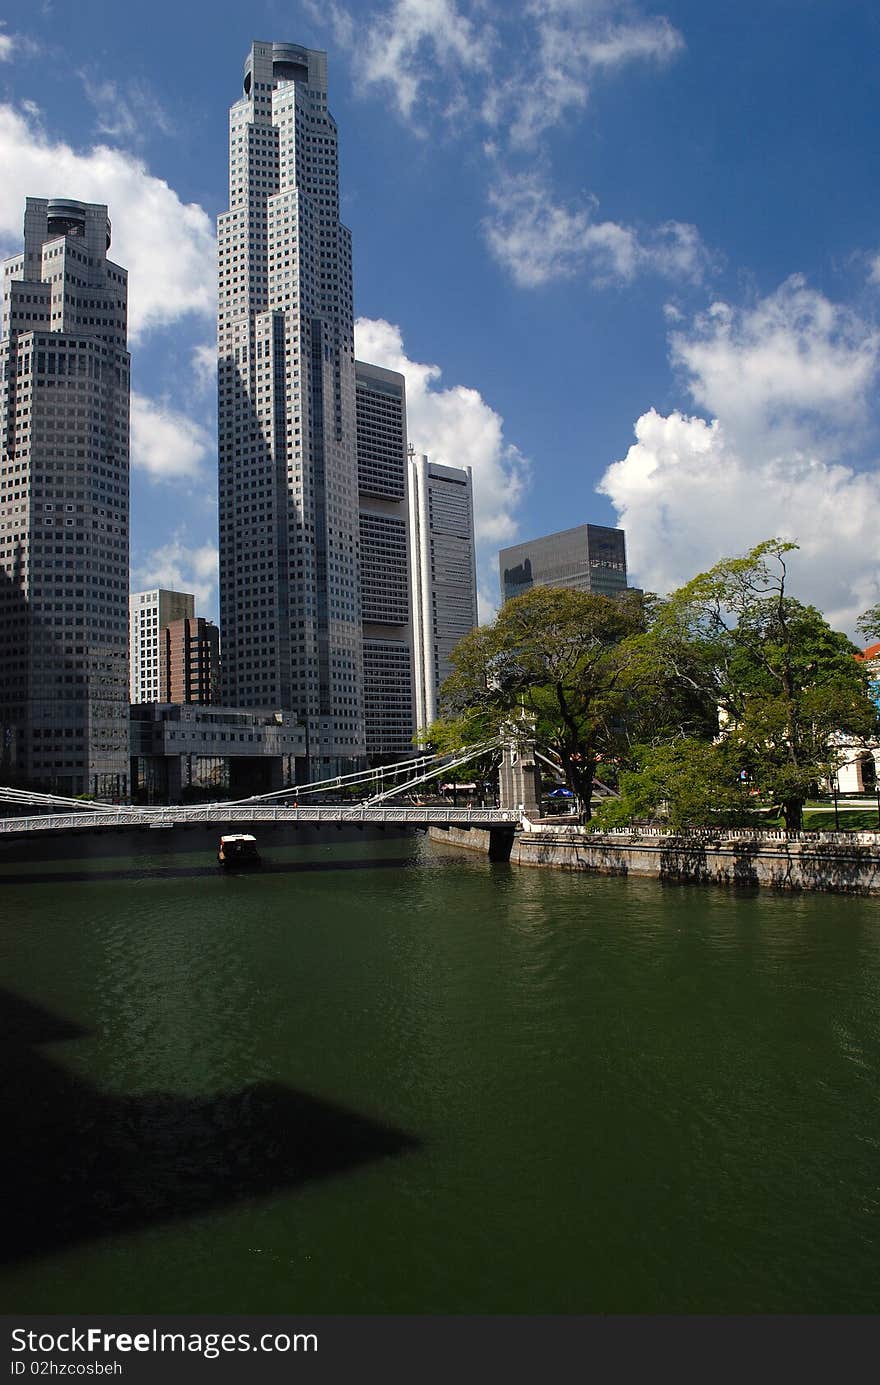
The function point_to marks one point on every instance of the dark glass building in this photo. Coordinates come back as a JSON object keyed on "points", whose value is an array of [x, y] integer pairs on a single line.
{"points": [[590, 558]]}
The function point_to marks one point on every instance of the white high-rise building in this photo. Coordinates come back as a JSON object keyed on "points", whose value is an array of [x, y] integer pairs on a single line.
{"points": [[444, 576], [148, 613], [64, 436], [289, 526], [386, 605]]}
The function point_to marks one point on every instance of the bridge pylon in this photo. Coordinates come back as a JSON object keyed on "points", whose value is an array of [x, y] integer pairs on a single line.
{"points": [[519, 779]]}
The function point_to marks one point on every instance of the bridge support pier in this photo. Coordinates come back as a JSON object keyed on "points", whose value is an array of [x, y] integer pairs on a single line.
{"points": [[500, 843]]}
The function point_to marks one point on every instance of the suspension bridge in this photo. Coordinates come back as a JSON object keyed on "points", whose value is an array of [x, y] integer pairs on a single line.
{"points": [[401, 803]]}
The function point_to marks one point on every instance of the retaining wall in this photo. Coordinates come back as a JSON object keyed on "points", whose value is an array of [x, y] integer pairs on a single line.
{"points": [[845, 866]]}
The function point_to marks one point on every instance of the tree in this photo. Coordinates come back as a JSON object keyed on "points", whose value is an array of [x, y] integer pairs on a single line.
{"points": [[568, 658], [784, 682], [868, 625], [689, 782]]}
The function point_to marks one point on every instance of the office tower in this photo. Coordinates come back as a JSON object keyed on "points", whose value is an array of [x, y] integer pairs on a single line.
{"points": [[148, 612], [189, 661], [444, 577], [64, 389], [385, 562], [590, 558], [289, 563]]}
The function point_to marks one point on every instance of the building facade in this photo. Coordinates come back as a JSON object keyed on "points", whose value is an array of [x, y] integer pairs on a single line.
{"points": [[589, 558], [189, 661], [288, 487], [148, 613], [64, 502], [386, 608], [188, 750], [444, 577]]}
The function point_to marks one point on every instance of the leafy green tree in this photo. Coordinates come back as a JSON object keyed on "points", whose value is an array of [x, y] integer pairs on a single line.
{"points": [[567, 658], [784, 682], [868, 625], [685, 782]]}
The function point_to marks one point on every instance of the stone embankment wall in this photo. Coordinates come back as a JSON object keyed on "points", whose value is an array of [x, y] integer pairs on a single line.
{"points": [[843, 863]]}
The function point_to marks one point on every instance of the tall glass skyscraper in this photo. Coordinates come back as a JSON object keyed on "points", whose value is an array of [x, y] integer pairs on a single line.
{"points": [[288, 481], [64, 437]]}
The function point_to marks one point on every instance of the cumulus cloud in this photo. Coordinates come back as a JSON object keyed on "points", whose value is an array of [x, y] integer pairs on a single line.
{"points": [[537, 239], [182, 567], [793, 361], [786, 382], [167, 245], [166, 444]]}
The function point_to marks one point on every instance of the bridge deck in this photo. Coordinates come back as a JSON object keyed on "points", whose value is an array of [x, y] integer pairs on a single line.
{"points": [[242, 813]]}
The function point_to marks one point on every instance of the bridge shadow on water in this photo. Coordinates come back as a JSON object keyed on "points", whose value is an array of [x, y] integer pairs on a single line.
{"points": [[79, 1163], [163, 872]]}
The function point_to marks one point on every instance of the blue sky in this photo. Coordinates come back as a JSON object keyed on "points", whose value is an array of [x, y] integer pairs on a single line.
{"points": [[628, 255]]}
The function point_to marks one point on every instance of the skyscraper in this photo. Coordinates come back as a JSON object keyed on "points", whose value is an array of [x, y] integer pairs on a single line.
{"points": [[590, 558], [289, 526], [385, 562], [189, 661], [148, 613], [64, 436], [444, 576]]}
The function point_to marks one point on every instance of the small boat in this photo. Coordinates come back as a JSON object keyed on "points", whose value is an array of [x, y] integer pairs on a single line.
{"points": [[238, 850]]}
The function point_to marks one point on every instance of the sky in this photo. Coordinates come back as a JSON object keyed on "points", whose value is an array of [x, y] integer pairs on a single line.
{"points": [[628, 256]]}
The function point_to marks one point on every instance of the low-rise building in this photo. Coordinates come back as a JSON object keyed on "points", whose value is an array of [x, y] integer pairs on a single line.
{"points": [[180, 750]]}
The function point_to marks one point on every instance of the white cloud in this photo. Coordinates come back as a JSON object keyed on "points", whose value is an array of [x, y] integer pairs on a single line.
{"points": [[181, 567], [16, 45], [125, 111], [537, 240], [167, 245], [520, 68], [520, 72], [413, 48], [166, 444], [794, 360], [570, 43], [786, 383], [204, 364], [456, 427]]}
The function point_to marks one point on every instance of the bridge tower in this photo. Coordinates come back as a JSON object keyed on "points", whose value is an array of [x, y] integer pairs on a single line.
{"points": [[519, 778]]}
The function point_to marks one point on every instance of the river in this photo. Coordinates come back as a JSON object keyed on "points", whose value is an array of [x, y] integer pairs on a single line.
{"points": [[384, 1075]]}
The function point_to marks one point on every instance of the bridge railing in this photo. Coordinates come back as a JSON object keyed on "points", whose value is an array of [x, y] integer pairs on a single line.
{"points": [[218, 815]]}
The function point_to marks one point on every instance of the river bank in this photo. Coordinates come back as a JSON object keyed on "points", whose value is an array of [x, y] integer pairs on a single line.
{"points": [[840, 863]]}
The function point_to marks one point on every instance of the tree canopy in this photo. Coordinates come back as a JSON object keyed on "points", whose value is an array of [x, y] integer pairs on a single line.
{"points": [[729, 681], [786, 686], [563, 655]]}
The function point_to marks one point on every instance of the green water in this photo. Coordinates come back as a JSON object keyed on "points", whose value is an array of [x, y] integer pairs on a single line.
{"points": [[386, 1076]]}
